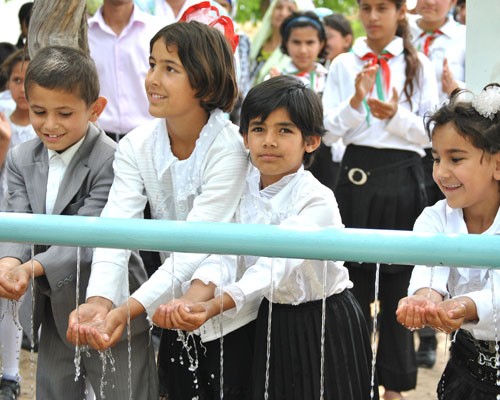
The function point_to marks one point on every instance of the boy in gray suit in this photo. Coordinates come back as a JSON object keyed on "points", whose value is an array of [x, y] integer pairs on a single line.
{"points": [[67, 171]]}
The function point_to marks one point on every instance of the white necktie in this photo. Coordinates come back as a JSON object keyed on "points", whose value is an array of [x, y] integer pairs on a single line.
{"points": [[56, 173]]}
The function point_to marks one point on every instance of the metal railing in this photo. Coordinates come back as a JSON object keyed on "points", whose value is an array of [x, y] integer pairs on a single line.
{"points": [[363, 245]]}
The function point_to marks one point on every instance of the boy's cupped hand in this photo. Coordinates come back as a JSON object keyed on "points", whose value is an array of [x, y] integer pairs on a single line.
{"points": [[86, 326], [14, 281]]}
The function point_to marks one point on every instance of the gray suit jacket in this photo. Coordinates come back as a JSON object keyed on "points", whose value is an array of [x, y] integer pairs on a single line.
{"points": [[83, 191]]}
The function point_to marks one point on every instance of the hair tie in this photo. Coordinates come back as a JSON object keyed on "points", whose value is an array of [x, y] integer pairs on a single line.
{"points": [[305, 18], [487, 102], [209, 15]]}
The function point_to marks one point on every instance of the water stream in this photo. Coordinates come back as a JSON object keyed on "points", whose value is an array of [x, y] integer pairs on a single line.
{"points": [[374, 333]]}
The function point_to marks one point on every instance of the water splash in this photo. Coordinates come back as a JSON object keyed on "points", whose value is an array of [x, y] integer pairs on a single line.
{"points": [[495, 320], [106, 357], [221, 327], [429, 292], [323, 325], [172, 283], [268, 345], [32, 327], [184, 338], [374, 332], [129, 346], [77, 359]]}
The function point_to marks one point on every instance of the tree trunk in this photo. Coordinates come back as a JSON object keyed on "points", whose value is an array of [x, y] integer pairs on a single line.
{"points": [[58, 22]]}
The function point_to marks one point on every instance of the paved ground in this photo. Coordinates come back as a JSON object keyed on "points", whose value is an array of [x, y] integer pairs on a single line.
{"points": [[426, 387]]}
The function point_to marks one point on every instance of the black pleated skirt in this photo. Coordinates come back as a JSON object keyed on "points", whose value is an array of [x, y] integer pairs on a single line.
{"points": [[179, 381], [464, 378], [295, 354]]}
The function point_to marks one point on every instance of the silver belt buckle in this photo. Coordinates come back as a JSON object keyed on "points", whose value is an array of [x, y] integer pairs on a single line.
{"points": [[487, 361], [363, 176]]}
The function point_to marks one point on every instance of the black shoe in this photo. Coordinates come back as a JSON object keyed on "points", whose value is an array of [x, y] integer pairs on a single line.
{"points": [[426, 354], [9, 390]]}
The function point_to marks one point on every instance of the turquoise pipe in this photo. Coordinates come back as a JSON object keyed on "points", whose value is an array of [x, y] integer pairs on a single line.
{"points": [[397, 247]]}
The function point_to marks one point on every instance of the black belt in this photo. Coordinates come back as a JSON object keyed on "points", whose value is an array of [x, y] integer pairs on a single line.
{"points": [[482, 361], [359, 176]]}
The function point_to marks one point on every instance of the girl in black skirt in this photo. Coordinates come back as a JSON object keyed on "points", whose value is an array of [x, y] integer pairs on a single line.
{"points": [[374, 100], [281, 122], [466, 151]]}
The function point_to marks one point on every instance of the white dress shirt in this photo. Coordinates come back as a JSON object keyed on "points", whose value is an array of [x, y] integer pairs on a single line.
{"points": [[297, 200], [163, 9], [58, 163], [205, 187], [450, 44], [122, 64], [405, 130], [453, 282]]}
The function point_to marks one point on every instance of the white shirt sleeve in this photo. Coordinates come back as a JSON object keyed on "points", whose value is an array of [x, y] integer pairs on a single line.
{"points": [[422, 276], [109, 274], [256, 282], [223, 183], [483, 327], [409, 124], [339, 116]]}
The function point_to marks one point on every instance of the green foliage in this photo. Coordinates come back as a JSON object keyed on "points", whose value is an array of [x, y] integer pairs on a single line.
{"points": [[249, 10], [93, 5]]}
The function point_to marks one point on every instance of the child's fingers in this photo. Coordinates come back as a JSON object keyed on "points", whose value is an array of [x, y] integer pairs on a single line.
{"points": [[8, 288], [161, 317], [93, 338], [196, 308], [369, 69], [458, 312], [194, 318], [178, 321]]}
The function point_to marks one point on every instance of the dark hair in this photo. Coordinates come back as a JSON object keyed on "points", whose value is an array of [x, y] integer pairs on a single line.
{"points": [[412, 62], [481, 131], [207, 58], [302, 20], [6, 49], [64, 68], [302, 104], [12, 60], [25, 13], [339, 23]]}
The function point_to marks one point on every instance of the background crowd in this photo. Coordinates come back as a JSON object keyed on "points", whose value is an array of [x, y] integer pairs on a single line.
{"points": [[376, 72]]}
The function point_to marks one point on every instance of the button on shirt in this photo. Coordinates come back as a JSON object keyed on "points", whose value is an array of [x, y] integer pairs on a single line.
{"points": [[58, 163]]}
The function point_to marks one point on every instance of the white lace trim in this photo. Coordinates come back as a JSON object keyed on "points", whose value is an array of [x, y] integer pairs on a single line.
{"points": [[186, 175]]}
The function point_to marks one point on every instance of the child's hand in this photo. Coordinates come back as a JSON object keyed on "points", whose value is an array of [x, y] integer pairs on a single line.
{"points": [[5, 129], [411, 311], [363, 84], [447, 316], [163, 314], [82, 322], [447, 80], [384, 109], [14, 281], [108, 334], [274, 72], [192, 317], [182, 316]]}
